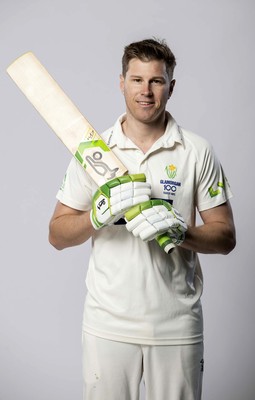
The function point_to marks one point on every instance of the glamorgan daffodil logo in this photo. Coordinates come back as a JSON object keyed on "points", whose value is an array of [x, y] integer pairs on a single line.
{"points": [[171, 171]]}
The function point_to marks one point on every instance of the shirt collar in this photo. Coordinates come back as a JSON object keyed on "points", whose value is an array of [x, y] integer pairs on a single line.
{"points": [[171, 135]]}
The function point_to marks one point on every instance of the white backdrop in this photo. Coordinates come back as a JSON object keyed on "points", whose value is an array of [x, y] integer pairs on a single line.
{"points": [[41, 290]]}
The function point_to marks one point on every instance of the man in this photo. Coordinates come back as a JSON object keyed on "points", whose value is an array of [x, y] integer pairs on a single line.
{"points": [[143, 314]]}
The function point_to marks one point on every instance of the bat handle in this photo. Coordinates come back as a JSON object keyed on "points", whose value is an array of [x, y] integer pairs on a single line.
{"points": [[165, 243]]}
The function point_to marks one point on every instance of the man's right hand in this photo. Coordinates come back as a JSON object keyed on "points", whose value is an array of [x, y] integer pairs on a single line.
{"points": [[115, 197], [156, 217]]}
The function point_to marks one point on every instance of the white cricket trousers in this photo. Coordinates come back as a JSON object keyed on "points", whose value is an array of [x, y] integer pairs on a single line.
{"points": [[114, 370]]}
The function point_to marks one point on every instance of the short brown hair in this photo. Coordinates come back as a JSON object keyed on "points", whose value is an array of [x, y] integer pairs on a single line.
{"points": [[147, 50]]}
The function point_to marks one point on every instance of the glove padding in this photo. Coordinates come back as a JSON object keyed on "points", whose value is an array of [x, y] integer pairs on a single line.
{"points": [[114, 198], [154, 217]]}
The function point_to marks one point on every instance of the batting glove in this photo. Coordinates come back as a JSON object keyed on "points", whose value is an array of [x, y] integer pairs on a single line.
{"points": [[115, 197], [154, 217]]}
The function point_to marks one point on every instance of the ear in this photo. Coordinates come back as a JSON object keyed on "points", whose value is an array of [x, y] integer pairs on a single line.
{"points": [[171, 88], [122, 79]]}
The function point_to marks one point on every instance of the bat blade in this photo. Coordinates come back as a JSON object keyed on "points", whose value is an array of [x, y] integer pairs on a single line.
{"points": [[65, 119]]}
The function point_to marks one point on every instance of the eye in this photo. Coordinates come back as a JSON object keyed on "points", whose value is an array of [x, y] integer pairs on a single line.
{"points": [[137, 80], [157, 81]]}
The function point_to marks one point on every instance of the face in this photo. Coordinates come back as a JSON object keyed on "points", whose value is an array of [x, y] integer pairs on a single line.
{"points": [[146, 88]]}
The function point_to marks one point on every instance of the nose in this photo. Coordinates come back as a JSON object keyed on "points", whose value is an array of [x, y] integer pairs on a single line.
{"points": [[146, 89]]}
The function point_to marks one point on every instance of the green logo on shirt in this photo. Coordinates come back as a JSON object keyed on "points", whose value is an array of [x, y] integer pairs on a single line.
{"points": [[171, 171], [63, 183], [215, 192]]}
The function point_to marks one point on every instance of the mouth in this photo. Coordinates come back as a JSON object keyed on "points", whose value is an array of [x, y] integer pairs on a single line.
{"points": [[145, 103]]}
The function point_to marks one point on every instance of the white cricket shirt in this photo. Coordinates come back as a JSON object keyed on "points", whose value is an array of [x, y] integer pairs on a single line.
{"points": [[136, 292]]}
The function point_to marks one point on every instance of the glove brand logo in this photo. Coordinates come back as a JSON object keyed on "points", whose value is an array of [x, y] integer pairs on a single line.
{"points": [[100, 204], [171, 171]]}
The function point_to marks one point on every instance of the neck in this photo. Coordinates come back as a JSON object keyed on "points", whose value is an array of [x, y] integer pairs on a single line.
{"points": [[144, 135]]}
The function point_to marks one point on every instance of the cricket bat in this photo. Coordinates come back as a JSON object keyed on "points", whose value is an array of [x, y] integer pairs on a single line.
{"points": [[71, 127]]}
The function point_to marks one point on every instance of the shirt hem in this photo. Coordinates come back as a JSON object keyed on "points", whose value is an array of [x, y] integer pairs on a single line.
{"points": [[212, 204], [144, 340]]}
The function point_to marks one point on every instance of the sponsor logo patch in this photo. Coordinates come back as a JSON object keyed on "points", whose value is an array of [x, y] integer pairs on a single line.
{"points": [[170, 186], [215, 192]]}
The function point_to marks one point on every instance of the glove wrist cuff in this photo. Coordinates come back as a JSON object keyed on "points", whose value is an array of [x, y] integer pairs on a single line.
{"points": [[177, 241], [96, 224]]}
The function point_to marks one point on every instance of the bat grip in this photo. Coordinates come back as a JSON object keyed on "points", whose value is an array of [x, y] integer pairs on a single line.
{"points": [[165, 243]]}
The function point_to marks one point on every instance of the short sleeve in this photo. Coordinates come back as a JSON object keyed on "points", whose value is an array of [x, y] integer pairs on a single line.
{"points": [[213, 187], [77, 188]]}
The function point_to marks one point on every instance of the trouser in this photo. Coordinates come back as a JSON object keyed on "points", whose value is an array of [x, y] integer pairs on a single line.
{"points": [[114, 370]]}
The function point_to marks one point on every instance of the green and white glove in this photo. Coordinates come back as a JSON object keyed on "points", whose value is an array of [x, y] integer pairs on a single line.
{"points": [[153, 218], [115, 197]]}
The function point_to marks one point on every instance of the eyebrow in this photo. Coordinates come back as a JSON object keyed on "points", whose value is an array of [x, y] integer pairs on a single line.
{"points": [[154, 77]]}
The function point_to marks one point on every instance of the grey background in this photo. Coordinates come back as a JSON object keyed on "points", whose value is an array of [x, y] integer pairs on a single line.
{"points": [[41, 290]]}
